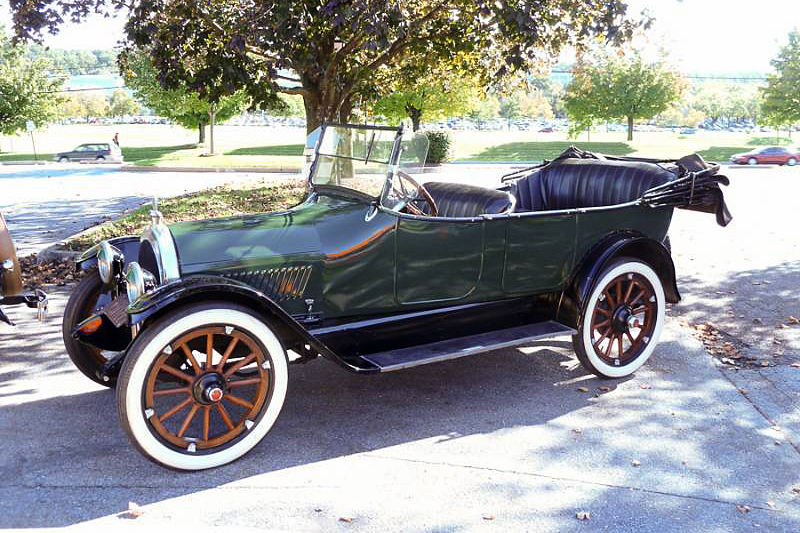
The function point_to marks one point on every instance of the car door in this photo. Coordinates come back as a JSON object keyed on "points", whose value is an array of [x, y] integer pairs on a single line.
{"points": [[437, 260], [540, 250], [81, 152]]}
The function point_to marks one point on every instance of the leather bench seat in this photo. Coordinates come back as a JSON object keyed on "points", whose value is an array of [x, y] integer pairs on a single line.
{"points": [[456, 200], [572, 183]]}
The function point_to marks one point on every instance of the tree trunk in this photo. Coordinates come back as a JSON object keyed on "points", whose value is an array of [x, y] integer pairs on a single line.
{"points": [[415, 115], [201, 131], [630, 128], [212, 116]]}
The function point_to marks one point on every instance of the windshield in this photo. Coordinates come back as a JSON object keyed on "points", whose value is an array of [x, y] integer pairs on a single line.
{"points": [[356, 158]]}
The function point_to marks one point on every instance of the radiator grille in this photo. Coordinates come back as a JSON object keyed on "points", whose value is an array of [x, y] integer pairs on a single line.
{"points": [[280, 284]]}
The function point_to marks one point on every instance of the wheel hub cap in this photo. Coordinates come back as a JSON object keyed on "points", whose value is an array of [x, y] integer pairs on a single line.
{"points": [[209, 388], [622, 319]]}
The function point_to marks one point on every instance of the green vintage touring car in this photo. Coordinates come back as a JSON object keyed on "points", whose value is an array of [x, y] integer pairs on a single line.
{"points": [[376, 270]]}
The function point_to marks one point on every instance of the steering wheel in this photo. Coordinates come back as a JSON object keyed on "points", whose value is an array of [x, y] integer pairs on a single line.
{"points": [[421, 191]]}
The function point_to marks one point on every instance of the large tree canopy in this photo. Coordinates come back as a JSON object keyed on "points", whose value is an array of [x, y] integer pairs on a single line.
{"points": [[331, 51], [781, 103], [613, 87], [27, 91]]}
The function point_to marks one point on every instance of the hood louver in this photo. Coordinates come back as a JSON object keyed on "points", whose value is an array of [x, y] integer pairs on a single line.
{"points": [[280, 284]]}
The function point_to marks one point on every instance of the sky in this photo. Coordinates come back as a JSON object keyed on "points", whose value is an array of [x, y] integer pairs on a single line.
{"points": [[701, 36]]}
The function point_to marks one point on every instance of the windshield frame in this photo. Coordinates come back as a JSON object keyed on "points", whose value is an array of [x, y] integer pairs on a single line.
{"points": [[392, 164]]}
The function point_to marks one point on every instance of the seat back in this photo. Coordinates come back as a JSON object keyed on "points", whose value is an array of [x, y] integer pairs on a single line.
{"points": [[458, 200], [573, 183]]}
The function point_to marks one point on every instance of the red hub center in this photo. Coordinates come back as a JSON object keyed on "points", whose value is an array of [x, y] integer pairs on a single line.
{"points": [[215, 394]]}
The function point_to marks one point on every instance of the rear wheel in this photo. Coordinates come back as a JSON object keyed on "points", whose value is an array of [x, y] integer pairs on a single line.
{"points": [[791, 162], [622, 320], [81, 305], [100, 159], [202, 386]]}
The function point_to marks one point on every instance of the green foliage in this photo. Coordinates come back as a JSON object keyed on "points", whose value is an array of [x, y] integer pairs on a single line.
{"points": [[76, 62], [334, 53], [431, 100], [769, 141], [729, 101], [121, 103], [486, 108], [27, 92], [180, 104], [781, 104], [438, 147], [612, 87]]}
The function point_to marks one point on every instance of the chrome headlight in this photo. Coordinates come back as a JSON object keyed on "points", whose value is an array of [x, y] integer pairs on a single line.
{"points": [[138, 281], [109, 262]]}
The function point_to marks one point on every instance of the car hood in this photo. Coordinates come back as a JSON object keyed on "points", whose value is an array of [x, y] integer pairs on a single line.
{"points": [[263, 239]]}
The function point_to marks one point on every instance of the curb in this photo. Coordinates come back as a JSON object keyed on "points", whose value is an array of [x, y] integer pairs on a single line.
{"points": [[56, 253], [262, 170]]}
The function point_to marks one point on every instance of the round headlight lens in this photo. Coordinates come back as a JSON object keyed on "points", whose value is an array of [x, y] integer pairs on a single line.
{"points": [[105, 260], [134, 279], [138, 281]]}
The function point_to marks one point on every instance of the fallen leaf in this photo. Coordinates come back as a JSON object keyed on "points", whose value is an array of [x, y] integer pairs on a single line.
{"points": [[644, 386], [795, 365], [487, 516], [764, 363], [318, 509], [636, 463], [743, 391], [576, 430], [134, 510], [347, 519], [743, 508], [793, 321], [796, 489], [771, 505], [757, 321], [777, 443], [684, 463], [583, 515], [604, 388], [583, 389], [756, 283]]}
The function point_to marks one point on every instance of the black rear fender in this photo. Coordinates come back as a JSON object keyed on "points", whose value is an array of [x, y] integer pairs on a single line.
{"points": [[591, 266]]}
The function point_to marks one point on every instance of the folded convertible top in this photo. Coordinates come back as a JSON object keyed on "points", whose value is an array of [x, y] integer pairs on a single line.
{"points": [[695, 184]]}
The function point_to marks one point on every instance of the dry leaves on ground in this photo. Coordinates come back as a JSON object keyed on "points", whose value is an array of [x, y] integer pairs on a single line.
{"points": [[134, 510], [51, 273], [583, 515]]}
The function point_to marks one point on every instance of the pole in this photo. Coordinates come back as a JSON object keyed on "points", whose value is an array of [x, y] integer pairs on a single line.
{"points": [[35, 158]]}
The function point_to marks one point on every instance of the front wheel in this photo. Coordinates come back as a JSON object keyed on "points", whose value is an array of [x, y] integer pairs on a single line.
{"points": [[752, 161], [622, 320], [86, 299], [202, 386]]}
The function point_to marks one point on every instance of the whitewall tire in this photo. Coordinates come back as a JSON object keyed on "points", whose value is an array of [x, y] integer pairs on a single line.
{"points": [[622, 320], [202, 386]]}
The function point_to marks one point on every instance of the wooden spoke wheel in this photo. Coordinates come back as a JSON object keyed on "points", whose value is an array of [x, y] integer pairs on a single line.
{"points": [[622, 319], [195, 393], [201, 386]]}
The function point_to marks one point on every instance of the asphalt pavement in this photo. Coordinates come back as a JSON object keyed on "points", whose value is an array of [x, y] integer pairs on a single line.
{"points": [[502, 441]]}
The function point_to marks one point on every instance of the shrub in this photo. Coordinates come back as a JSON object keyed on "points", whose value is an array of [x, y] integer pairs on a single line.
{"points": [[438, 148]]}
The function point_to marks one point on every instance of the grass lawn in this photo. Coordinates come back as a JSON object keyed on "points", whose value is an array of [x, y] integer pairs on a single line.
{"points": [[259, 146], [217, 202]]}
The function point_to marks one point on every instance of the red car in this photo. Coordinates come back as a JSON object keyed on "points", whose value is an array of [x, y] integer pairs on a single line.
{"points": [[771, 154]]}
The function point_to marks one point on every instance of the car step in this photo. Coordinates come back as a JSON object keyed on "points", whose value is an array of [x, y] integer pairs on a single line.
{"points": [[463, 346]]}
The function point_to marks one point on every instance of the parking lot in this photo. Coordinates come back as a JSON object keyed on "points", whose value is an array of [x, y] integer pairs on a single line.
{"points": [[503, 441]]}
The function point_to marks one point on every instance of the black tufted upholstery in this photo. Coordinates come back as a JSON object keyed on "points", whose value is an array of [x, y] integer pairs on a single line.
{"points": [[572, 183], [458, 200]]}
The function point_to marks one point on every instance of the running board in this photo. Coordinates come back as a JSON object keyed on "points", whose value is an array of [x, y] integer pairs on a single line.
{"points": [[463, 346]]}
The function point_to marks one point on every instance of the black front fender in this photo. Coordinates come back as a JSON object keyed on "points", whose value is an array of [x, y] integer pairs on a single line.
{"points": [[128, 245], [200, 288]]}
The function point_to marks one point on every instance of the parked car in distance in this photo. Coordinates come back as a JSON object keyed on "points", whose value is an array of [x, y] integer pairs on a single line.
{"points": [[546, 129], [778, 155], [91, 152], [688, 131]]}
